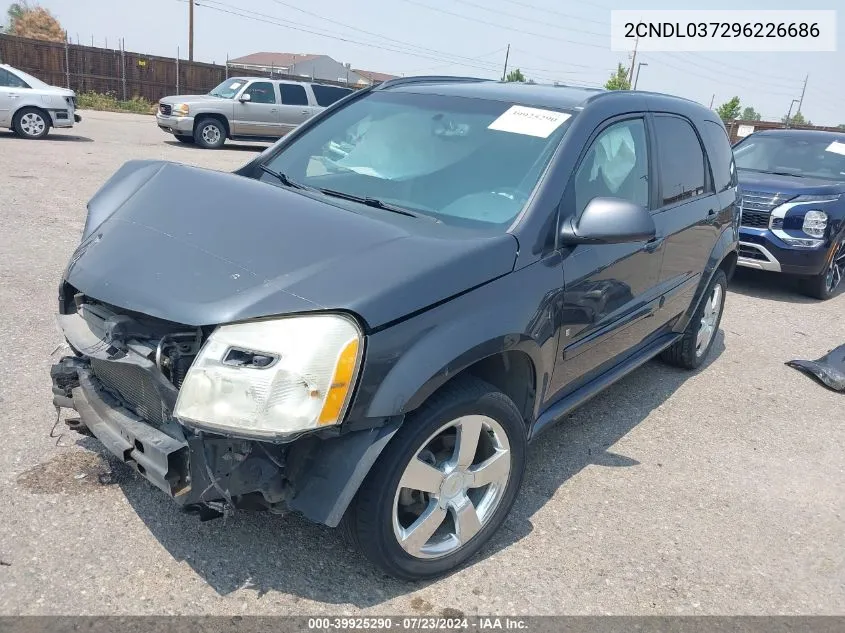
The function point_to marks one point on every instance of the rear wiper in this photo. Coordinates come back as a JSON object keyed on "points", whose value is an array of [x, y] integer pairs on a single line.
{"points": [[282, 178], [370, 202]]}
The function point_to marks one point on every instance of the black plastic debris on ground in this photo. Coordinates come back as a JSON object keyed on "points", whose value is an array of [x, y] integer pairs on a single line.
{"points": [[828, 370]]}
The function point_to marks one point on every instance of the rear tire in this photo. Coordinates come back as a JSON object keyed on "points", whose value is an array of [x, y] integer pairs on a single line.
{"points": [[31, 123], [692, 349], [824, 285], [210, 133], [472, 490]]}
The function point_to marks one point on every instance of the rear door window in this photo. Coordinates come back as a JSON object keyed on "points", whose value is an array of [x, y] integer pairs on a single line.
{"points": [[293, 94], [681, 164], [327, 95], [721, 156]]}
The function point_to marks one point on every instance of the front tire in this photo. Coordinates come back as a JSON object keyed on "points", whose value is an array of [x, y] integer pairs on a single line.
{"points": [[692, 349], [443, 485], [824, 285], [210, 133], [31, 123]]}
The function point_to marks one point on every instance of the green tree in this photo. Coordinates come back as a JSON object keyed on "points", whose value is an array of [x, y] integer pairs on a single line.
{"points": [[515, 75], [750, 114], [33, 21], [619, 79], [729, 111], [795, 119], [841, 126]]}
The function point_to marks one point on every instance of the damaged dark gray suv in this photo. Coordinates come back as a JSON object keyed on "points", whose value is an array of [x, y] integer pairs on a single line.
{"points": [[369, 321]]}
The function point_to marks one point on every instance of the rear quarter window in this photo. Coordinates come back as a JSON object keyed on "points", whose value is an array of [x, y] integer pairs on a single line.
{"points": [[327, 95], [721, 155]]}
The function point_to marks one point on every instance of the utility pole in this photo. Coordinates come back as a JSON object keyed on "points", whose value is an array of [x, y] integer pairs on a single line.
{"points": [[803, 90], [633, 61], [712, 99], [505, 71], [789, 114], [190, 30]]}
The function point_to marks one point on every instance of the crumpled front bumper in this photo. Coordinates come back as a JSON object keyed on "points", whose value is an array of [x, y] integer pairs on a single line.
{"points": [[192, 468]]}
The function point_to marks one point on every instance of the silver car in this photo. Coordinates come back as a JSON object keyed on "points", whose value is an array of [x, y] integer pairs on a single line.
{"points": [[244, 108], [29, 107]]}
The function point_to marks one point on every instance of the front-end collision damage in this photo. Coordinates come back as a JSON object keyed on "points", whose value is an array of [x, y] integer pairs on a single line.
{"points": [[124, 379]]}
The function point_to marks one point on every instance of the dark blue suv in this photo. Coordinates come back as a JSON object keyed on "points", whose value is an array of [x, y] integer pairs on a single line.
{"points": [[793, 206]]}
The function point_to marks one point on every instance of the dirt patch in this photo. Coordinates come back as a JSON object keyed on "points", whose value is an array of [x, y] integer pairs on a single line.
{"points": [[420, 605], [72, 473]]}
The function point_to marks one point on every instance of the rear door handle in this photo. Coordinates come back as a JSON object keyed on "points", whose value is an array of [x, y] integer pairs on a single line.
{"points": [[711, 212], [653, 244]]}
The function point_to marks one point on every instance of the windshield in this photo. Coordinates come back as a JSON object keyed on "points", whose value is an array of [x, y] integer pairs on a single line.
{"points": [[228, 89], [813, 157], [467, 162]]}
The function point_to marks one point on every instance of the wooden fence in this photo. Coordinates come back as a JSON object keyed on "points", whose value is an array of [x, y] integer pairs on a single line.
{"points": [[124, 74], [741, 129]]}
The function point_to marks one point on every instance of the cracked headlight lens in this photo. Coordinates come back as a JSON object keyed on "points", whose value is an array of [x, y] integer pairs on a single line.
{"points": [[273, 377], [815, 223]]}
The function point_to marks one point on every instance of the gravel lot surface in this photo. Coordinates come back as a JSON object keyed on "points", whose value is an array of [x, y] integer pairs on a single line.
{"points": [[720, 491]]}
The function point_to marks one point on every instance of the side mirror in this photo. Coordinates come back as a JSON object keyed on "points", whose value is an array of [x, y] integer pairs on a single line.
{"points": [[609, 221], [245, 98]]}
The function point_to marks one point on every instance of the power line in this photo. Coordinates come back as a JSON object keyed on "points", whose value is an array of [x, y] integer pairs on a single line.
{"points": [[564, 15], [554, 61], [477, 57], [360, 30], [720, 78], [721, 71], [447, 58], [506, 28], [736, 68], [265, 19], [543, 22]]}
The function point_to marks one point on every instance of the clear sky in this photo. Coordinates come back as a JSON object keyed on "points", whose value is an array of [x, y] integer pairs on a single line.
{"points": [[549, 39]]}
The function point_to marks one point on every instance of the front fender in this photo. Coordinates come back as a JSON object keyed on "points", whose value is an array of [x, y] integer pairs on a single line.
{"points": [[409, 361]]}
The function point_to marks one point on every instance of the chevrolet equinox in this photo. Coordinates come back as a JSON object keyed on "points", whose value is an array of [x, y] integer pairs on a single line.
{"points": [[369, 322]]}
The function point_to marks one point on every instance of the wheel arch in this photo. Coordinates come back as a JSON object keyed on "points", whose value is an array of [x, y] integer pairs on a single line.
{"points": [[723, 256], [28, 106], [221, 118]]}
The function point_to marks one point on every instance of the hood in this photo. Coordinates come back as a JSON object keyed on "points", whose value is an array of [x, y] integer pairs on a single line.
{"points": [[201, 247], [53, 91], [772, 183], [193, 99]]}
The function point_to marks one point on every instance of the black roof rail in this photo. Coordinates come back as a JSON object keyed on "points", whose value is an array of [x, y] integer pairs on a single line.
{"points": [[402, 81]]}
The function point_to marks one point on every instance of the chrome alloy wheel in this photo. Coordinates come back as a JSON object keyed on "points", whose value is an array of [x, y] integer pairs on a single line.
{"points": [[452, 487], [836, 270], [33, 124], [211, 134], [709, 320]]}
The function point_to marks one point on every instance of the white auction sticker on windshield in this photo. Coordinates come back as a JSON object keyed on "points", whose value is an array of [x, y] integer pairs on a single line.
{"points": [[529, 121], [235, 85], [836, 147]]}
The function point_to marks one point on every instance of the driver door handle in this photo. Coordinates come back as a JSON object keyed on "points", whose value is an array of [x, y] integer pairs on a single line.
{"points": [[653, 244]]}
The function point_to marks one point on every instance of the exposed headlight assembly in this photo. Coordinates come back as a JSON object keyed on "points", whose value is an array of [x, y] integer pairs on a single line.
{"points": [[180, 109], [273, 378]]}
